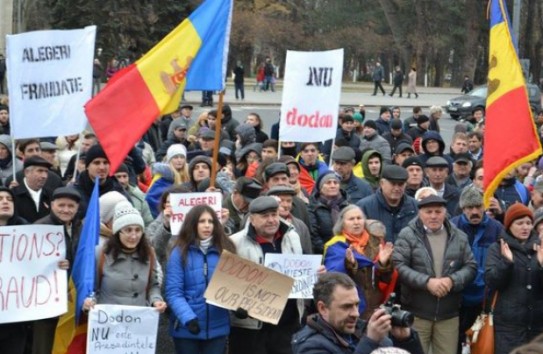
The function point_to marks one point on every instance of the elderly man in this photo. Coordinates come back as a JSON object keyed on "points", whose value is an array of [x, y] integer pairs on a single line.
{"points": [[286, 195], [372, 140], [462, 166], [390, 204], [64, 205], [337, 328], [245, 191], [437, 171], [343, 163], [265, 233], [32, 198], [415, 174], [482, 231], [435, 264]]}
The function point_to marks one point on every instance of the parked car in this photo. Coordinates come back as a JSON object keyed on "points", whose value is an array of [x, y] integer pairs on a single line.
{"points": [[462, 106]]}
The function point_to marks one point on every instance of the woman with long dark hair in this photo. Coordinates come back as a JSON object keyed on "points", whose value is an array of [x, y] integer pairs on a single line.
{"points": [[197, 327]]}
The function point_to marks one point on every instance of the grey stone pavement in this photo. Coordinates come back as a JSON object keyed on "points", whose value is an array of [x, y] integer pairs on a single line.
{"points": [[352, 94]]}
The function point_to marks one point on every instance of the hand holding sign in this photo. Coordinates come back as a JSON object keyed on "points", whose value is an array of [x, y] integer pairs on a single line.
{"points": [[239, 283]]}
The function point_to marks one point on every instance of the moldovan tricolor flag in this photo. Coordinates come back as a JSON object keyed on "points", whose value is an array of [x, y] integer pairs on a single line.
{"points": [[510, 137], [123, 111], [71, 332]]}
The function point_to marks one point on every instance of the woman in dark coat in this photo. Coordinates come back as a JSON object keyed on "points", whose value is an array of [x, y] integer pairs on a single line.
{"points": [[324, 207], [514, 270]]}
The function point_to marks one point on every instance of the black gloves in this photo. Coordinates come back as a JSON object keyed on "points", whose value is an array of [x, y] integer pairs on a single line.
{"points": [[241, 313], [193, 326]]}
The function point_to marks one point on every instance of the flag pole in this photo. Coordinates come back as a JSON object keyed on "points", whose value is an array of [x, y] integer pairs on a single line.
{"points": [[77, 158], [216, 144], [13, 153]]}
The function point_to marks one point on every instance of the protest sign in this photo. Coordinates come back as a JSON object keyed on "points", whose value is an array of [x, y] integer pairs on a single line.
{"points": [[49, 80], [303, 268], [182, 203], [122, 329], [238, 282], [32, 286], [316, 75]]}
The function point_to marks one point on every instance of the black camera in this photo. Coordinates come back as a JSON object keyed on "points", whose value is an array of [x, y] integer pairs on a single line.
{"points": [[400, 318]]}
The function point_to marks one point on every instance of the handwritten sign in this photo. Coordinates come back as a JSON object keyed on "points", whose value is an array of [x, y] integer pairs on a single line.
{"points": [[122, 329], [182, 203], [303, 268], [316, 75], [31, 284], [50, 80], [238, 282]]}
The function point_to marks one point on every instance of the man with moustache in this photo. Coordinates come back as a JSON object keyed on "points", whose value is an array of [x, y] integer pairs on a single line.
{"points": [[482, 231]]}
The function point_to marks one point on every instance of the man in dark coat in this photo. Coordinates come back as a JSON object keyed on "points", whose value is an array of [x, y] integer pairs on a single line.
{"points": [[343, 163], [97, 165], [398, 81], [390, 204], [64, 205], [32, 198], [434, 263], [337, 328]]}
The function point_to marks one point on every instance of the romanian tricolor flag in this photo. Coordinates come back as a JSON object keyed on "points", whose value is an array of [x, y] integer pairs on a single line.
{"points": [[71, 333], [510, 137], [123, 111]]}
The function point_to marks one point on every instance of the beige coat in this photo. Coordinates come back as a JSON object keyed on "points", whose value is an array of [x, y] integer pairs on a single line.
{"points": [[412, 82]]}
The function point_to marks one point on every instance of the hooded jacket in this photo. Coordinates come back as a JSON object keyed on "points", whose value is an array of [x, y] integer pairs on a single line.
{"points": [[368, 177], [432, 135]]}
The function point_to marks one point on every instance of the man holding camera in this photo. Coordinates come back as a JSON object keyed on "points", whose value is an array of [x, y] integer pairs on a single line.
{"points": [[435, 263], [337, 329]]}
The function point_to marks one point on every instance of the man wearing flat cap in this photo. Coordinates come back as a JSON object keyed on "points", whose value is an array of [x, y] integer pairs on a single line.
{"points": [[265, 233], [435, 263], [482, 232], [415, 175], [437, 171], [286, 196], [32, 198], [343, 164], [461, 171], [277, 174], [245, 191], [64, 206], [389, 203]]}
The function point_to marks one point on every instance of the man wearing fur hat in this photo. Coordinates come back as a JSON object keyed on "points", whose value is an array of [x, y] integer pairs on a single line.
{"points": [[482, 231]]}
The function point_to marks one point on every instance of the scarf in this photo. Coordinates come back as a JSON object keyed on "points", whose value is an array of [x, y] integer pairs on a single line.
{"points": [[205, 244], [358, 242], [333, 204]]}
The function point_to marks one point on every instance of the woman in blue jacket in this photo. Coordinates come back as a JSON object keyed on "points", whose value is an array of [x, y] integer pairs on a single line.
{"points": [[197, 327]]}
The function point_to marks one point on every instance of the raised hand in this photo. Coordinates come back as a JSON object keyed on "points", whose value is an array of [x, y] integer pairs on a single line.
{"points": [[506, 251], [385, 252]]}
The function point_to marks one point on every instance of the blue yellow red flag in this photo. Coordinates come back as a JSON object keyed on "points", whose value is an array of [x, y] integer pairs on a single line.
{"points": [[153, 85], [510, 135]]}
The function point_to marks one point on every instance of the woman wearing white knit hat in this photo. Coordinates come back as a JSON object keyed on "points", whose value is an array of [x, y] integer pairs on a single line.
{"points": [[174, 171], [127, 255]]}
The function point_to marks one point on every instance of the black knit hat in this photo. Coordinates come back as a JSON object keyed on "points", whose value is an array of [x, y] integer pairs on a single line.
{"points": [[93, 153]]}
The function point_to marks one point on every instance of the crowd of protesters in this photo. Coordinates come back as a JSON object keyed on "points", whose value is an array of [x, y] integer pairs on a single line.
{"points": [[389, 207]]}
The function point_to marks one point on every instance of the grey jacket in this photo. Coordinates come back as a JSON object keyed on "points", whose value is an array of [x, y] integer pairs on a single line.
{"points": [[124, 281], [379, 144], [161, 239], [413, 259]]}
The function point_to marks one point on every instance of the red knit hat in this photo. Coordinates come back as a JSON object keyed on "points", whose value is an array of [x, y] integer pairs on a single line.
{"points": [[514, 212]]}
